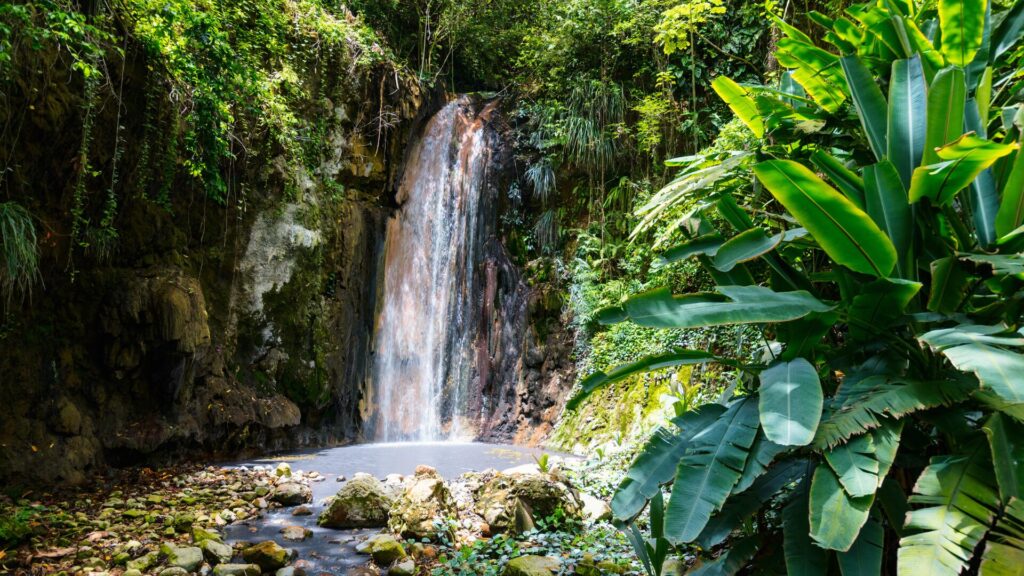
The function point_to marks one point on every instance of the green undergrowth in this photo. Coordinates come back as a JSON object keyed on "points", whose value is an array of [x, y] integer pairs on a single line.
{"points": [[596, 549]]}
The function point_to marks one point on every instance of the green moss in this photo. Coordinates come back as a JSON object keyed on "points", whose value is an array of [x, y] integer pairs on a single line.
{"points": [[623, 413]]}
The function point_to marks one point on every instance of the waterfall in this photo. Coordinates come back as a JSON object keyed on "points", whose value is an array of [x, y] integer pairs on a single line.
{"points": [[426, 331]]}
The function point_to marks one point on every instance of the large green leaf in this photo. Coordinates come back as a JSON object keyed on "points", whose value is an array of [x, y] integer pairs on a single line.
{"points": [[863, 463], [599, 379], [974, 348], [762, 452], [959, 502], [732, 560], [908, 109], [803, 557], [946, 99], [855, 465], [996, 335], [742, 506], [790, 402], [886, 439], [848, 182], [1004, 552], [816, 70], [1008, 264], [743, 247], [999, 371], [845, 232], [836, 517], [885, 200], [962, 23], [707, 245], [1009, 32], [982, 193], [865, 556], [709, 470], [870, 400], [879, 306], [961, 163], [656, 463], [740, 102], [1011, 209], [869, 101], [1006, 439], [949, 285], [735, 305]]}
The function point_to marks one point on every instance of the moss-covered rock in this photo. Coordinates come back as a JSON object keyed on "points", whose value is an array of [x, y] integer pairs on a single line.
{"points": [[385, 549], [622, 414], [532, 566], [361, 503], [425, 499], [514, 502], [268, 555]]}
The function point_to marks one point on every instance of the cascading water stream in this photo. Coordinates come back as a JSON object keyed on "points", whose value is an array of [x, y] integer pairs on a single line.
{"points": [[426, 329]]}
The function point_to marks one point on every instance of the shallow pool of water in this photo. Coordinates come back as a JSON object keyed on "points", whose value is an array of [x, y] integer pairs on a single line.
{"points": [[331, 551]]}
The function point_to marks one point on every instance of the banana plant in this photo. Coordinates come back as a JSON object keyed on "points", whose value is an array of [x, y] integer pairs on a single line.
{"points": [[879, 249]]}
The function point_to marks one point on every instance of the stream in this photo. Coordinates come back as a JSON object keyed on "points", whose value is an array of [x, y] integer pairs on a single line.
{"points": [[333, 551]]}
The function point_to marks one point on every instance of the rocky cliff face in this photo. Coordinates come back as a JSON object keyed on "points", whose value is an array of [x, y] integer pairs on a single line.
{"points": [[202, 327]]}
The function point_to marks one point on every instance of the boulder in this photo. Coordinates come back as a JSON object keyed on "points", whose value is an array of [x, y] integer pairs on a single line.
{"points": [[385, 549], [236, 570], [361, 503], [590, 567], [268, 555], [200, 534], [295, 533], [189, 558], [673, 567], [532, 566], [302, 511], [283, 470], [404, 568], [426, 498], [291, 571], [143, 563], [292, 493], [216, 552], [174, 571], [515, 502], [595, 509]]}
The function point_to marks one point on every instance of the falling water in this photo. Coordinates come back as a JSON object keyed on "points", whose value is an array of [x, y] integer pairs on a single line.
{"points": [[426, 328]]}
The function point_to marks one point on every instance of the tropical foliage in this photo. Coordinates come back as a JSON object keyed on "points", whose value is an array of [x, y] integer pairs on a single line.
{"points": [[874, 238]]}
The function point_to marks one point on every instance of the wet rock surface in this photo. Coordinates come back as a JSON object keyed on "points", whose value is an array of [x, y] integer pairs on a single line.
{"points": [[224, 521], [361, 503]]}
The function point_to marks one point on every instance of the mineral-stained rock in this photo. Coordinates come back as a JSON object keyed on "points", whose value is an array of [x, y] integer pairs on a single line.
{"points": [[515, 502], [268, 555], [361, 503], [292, 493], [532, 566], [425, 499]]}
